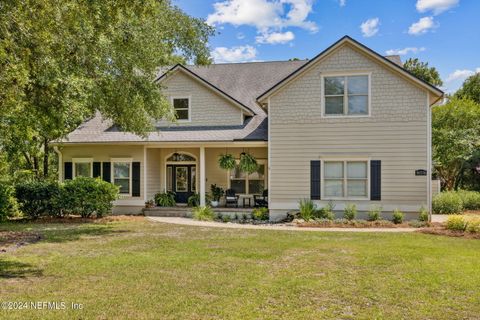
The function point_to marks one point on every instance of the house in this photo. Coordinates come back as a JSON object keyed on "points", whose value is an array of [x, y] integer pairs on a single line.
{"points": [[348, 126]]}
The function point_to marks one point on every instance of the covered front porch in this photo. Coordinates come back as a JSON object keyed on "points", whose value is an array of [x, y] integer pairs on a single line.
{"points": [[189, 169]]}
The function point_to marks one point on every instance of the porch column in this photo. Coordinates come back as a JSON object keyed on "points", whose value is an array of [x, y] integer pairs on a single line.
{"points": [[202, 176]]}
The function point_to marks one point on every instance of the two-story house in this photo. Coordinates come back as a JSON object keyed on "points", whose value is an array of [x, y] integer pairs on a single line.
{"points": [[348, 126]]}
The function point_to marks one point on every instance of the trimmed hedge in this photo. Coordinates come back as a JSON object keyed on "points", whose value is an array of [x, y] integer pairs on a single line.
{"points": [[38, 198], [455, 202], [8, 203]]}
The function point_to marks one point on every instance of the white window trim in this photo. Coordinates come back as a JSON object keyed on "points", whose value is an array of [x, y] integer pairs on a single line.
{"points": [[81, 160], [112, 173], [265, 179], [189, 107], [345, 101], [344, 160]]}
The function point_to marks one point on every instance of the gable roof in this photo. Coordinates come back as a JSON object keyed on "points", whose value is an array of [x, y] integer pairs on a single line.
{"points": [[347, 40]]}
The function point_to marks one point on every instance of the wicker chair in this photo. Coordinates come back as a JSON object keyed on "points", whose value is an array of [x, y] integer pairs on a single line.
{"points": [[231, 198], [261, 201]]}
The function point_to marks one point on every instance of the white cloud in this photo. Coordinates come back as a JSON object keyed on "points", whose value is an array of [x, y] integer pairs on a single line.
{"points": [[275, 37], [267, 16], [370, 27], [405, 51], [461, 74], [437, 6], [234, 54], [342, 3], [422, 26]]}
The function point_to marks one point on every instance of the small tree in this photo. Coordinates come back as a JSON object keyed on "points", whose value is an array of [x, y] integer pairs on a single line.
{"points": [[423, 71], [470, 88]]}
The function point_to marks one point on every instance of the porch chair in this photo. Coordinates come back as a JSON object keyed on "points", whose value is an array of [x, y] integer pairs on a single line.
{"points": [[231, 197], [261, 201]]}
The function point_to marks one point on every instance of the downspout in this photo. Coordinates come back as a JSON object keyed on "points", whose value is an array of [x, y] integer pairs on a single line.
{"points": [[60, 162], [429, 158]]}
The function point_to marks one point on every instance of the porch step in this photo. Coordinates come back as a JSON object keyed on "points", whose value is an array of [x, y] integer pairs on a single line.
{"points": [[166, 211]]}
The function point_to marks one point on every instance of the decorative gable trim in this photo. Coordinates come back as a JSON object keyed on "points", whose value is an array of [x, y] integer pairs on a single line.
{"points": [[191, 74]]}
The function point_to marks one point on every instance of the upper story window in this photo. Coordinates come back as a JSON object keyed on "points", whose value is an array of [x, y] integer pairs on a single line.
{"points": [[181, 107], [346, 95]]}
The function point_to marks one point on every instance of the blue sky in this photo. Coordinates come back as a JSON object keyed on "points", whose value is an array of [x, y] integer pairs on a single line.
{"points": [[445, 33]]}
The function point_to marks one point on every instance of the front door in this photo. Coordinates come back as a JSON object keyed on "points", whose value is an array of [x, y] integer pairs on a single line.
{"points": [[183, 181]]}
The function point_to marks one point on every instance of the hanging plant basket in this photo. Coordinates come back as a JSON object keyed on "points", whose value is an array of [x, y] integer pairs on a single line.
{"points": [[226, 161], [248, 163]]}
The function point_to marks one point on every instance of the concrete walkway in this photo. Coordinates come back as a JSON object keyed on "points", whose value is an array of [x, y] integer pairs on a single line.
{"points": [[191, 222]]}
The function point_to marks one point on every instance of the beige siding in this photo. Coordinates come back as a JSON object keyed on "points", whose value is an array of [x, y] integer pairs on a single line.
{"points": [[104, 154], [395, 133], [206, 106]]}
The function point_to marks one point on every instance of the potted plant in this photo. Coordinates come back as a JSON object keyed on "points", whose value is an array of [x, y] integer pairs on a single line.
{"points": [[226, 161], [248, 163], [217, 193], [150, 204]]}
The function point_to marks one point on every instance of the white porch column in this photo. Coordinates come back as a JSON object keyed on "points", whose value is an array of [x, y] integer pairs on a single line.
{"points": [[202, 176]]}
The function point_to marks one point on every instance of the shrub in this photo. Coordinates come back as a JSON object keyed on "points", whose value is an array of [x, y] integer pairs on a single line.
{"points": [[260, 214], [470, 199], [423, 214], [350, 212], [38, 198], [456, 223], [203, 214], [8, 203], [447, 203], [88, 196], [226, 218], [307, 209], [193, 200], [397, 217], [165, 199], [326, 212], [374, 213], [473, 226], [217, 192]]}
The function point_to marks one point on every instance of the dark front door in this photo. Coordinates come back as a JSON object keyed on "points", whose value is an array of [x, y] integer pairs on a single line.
{"points": [[183, 181]]}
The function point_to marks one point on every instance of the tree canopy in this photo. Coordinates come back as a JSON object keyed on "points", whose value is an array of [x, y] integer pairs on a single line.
{"points": [[423, 71], [470, 88], [60, 62]]}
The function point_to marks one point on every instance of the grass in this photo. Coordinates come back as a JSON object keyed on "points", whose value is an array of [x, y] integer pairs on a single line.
{"points": [[140, 269]]}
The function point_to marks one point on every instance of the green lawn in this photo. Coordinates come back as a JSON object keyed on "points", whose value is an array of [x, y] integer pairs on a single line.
{"points": [[142, 269]]}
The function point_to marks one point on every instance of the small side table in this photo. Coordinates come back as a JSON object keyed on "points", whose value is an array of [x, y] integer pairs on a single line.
{"points": [[245, 199]]}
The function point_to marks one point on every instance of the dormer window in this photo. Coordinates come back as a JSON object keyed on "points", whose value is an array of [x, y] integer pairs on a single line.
{"points": [[181, 107], [346, 95]]}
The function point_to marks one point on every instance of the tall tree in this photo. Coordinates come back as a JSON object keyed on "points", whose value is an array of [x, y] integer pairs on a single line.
{"points": [[455, 138], [423, 71], [470, 88], [61, 62]]}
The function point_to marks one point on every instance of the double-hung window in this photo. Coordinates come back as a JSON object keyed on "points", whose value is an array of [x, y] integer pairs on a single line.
{"points": [[181, 106], [346, 95], [122, 175], [82, 167], [244, 183], [345, 179]]}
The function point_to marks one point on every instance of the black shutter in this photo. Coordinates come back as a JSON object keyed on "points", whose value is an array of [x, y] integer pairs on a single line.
{"points": [[106, 171], [68, 171], [375, 180], [315, 180], [136, 179], [97, 170]]}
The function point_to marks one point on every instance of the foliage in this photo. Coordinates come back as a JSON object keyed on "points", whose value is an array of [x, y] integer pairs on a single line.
{"points": [[248, 163], [448, 202], [423, 216], [470, 88], [226, 161], [455, 138], [456, 223], [423, 71], [226, 218], [39, 198], [397, 216], [473, 226], [203, 213], [325, 212], [194, 200], [88, 197], [8, 203], [307, 209], [350, 212], [470, 199], [150, 203], [217, 192], [374, 213], [260, 213], [60, 64], [165, 199]]}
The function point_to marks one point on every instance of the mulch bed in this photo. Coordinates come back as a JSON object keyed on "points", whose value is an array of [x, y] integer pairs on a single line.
{"points": [[442, 231], [11, 240], [352, 225], [79, 219]]}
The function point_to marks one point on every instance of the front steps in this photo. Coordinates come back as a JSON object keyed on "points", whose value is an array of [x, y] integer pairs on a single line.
{"points": [[186, 211]]}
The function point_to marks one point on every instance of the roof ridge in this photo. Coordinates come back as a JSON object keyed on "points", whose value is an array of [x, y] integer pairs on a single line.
{"points": [[247, 62]]}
